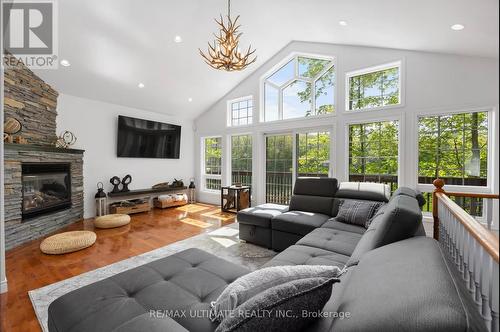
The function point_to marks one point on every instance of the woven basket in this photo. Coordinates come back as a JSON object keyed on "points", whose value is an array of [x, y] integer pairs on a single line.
{"points": [[67, 242], [112, 220]]}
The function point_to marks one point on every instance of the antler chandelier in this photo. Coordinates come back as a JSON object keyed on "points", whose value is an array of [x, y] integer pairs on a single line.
{"points": [[224, 53]]}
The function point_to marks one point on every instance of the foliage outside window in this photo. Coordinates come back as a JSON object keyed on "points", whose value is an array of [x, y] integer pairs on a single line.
{"points": [[241, 159], [454, 147], [212, 162], [373, 153], [279, 168], [374, 89], [313, 154], [303, 87], [240, 112]]}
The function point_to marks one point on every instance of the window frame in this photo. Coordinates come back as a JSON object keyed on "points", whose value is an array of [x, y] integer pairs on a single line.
{"points": [[205, 176], [401, 141], [229, 111], [372, 69], [278, 66], [426, 187]]}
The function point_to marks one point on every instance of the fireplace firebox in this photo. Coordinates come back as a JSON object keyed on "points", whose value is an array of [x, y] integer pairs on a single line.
{"points": [[46, 188]]}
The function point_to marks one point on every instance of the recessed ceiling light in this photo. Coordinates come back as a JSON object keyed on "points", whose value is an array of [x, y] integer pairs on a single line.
{"points": [[190, 99], [65, 63], [457, 27], [140, 85], [178, 39], [343, 23]]}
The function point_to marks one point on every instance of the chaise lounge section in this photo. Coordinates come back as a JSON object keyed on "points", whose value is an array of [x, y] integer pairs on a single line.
{"points": [[395, 280]]}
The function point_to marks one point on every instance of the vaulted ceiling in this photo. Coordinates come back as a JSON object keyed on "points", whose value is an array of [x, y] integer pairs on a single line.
{"points": [[113, 45]]}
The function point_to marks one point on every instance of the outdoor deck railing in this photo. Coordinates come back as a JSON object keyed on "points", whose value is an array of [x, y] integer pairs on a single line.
{"points": [[472, 247]]}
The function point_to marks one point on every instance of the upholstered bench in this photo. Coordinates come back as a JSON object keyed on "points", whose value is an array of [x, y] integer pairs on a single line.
{"points": [[67, 242], [112, 220], [255, 223]]}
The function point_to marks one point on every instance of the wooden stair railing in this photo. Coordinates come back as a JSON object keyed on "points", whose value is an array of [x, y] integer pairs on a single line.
{"points": [[472, 247]]}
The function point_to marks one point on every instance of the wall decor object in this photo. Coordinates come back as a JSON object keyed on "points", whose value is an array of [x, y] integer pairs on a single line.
{"points": [[125, 182], [161, 185], [11, 126], [224, 53], [177, 183], [66, 139], [115, 181], [100, 201]]}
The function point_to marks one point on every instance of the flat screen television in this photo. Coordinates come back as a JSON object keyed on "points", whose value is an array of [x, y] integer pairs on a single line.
{"points": [[139, 138]]}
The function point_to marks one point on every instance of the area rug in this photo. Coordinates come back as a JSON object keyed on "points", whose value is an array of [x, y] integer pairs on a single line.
{"points": [[223, 242]]}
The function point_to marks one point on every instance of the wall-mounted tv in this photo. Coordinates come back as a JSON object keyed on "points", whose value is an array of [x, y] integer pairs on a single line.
{"points": [[139, 138]]}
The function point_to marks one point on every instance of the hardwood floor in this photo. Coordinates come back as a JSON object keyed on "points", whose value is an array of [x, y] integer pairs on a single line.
{"points": [[28, 268]]}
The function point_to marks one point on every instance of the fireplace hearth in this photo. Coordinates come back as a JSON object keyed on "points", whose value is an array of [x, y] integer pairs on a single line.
{"points": [[46, 188]]}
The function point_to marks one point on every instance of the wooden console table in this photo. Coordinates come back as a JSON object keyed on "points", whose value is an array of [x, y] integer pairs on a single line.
{"points": [[146, 194]]}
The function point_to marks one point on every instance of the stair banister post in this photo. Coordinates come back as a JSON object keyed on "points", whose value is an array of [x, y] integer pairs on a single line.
{"points": [[438, 184]]}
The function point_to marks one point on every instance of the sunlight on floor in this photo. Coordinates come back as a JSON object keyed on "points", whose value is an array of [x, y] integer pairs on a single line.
{"points": [[196, 223], [225, 242]]}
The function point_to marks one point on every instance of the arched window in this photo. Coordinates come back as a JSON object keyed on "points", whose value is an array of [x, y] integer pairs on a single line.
{"points": [[303, 87]]}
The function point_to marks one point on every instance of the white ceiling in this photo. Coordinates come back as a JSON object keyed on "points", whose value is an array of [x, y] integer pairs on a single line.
{"points": [[115, 44]]}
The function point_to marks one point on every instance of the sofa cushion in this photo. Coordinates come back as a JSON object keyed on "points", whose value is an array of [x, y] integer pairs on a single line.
{"points": [[316, 204], [334, 224], [305, 255], [298, 222], [188, 280], [326, 187], [249, 285], [155, 322], [356, 212], [260, 215], [341, 242], [400, 219], [364, 190], [414, 286], [265, 311]]}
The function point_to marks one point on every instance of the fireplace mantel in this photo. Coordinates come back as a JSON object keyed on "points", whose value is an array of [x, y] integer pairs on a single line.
{"points": [[42, 148]]}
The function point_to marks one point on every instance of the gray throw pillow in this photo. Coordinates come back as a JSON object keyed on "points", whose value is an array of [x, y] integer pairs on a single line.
{"points": [[357, 212], [249, 285], [287, 307]]}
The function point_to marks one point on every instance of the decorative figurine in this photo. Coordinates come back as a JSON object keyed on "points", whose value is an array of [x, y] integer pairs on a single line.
{"points": [[125, 182], [177, 184], [115, 181], [66, 139]]}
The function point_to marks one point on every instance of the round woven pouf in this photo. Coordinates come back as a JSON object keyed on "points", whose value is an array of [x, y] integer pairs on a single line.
{"points": [[67, 242], [112, 220]]}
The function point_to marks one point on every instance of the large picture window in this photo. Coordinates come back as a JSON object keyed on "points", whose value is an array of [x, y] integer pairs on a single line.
{"points": [[453, 147], [303, 87], [212, 150], [374, 87], [241, 159], [373, 152], [313, 154], [279, 168]]}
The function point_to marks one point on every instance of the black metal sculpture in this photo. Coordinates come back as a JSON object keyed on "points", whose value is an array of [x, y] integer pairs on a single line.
{"points": [[125, 182], [115, 181]]}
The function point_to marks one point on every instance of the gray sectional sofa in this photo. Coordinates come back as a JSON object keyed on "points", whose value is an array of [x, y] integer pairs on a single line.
{"points": [[397, 279]]}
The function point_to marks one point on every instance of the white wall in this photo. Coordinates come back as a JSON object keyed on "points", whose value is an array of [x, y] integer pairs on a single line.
{"points": [[432, 83], [95, 125]]}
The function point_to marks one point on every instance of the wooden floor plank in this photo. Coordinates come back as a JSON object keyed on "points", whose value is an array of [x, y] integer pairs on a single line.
{"points": [[28, 268]]}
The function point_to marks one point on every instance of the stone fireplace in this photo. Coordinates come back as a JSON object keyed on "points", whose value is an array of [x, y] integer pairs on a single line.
{"points": [[43, 184]]}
